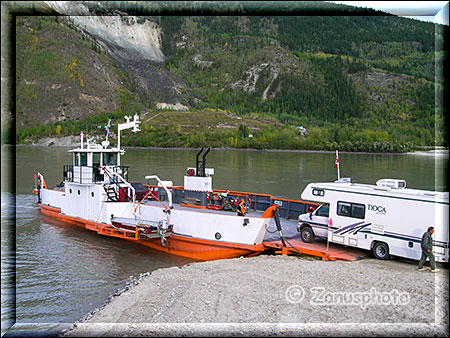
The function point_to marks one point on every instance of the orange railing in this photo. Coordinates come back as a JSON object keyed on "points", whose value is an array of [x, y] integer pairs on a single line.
{"points": [[150, 192], [268, 197]]}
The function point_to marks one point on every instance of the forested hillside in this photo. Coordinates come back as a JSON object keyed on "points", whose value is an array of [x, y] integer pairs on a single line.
{"points": [[356, 83]]}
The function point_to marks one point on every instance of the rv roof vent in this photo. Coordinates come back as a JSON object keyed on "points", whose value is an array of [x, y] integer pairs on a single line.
{"points": [[392, 183], [378, 187], [430, 193], [437, 194], [344, 180]]}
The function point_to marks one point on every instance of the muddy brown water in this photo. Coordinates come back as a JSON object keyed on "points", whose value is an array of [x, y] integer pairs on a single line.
{"points": [[53, 273]]}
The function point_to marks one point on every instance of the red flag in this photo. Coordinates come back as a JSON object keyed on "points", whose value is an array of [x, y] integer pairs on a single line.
{"points": [[337, 162]]}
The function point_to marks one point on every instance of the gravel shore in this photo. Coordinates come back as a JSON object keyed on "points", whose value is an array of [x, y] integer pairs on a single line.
{"points": [[277, 296]]}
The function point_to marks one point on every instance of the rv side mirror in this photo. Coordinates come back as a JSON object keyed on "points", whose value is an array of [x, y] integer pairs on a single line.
{"points": [[310, 210]]}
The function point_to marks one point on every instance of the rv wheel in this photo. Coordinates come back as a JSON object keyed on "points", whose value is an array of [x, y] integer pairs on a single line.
{"points": [[381, 250], [307, 234]]}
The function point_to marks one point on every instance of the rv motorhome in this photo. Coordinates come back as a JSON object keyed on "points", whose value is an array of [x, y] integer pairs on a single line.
{"points": [[386, 218]]}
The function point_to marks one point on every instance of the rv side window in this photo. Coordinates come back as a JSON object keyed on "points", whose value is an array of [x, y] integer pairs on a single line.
{"points": [[358, 211], [351, 210], [318, 192], [343, 209]]}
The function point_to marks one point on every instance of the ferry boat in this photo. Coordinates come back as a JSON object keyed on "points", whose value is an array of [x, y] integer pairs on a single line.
{"points": [[193, 221]]}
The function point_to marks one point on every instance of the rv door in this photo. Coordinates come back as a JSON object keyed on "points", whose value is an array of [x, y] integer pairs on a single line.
{"points": [[320, 220]]}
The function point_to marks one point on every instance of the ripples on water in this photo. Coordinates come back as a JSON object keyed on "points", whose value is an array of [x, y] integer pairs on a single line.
{"points": [[62, 271]]}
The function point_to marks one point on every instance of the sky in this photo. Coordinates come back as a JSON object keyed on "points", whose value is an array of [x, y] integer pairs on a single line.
{"points": [[432, 11]]}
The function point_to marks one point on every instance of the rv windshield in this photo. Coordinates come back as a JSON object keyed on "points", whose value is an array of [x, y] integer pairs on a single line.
{"points": [[324, 210]]}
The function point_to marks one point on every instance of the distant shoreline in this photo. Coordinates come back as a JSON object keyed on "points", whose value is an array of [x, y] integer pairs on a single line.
{"points": [[48, 142]]}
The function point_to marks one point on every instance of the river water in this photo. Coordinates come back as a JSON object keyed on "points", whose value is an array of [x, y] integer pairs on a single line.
{"points": [[54, 273]]}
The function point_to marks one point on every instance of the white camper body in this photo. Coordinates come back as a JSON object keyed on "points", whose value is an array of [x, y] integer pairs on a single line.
{"points": [[386, 218]]}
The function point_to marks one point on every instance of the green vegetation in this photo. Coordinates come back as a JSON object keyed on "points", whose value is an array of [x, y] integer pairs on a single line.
{"points": [[40, 56], [356, 83], [352, 86], [221, 129]]}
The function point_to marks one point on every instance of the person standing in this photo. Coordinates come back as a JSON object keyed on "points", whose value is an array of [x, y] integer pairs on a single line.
{"points": [[241, 208], [427, 246]]}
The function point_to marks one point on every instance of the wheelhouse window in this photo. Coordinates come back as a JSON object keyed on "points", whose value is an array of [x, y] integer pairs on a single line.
{"points": [[354, 210], [76, 156], [95, 159], [109, 159], [83, 159]]}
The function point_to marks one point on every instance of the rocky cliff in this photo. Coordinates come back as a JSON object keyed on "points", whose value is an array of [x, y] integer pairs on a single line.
{"points": [[346, 75]]}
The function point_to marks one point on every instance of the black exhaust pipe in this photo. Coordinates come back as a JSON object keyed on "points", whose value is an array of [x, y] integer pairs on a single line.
{"points": [[196, 163], [204, 163]]}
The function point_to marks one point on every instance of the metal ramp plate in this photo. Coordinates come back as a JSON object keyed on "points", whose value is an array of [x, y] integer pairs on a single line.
{"points": [[317, 249]]}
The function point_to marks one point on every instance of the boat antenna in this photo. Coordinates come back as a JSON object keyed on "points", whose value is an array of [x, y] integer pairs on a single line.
{"points": [[82, 138], [129, 124], [105, 143], [107, 129], [336, 165]]}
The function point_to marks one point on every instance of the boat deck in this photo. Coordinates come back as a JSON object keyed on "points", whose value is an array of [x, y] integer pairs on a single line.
{"points": [[250, 213], [295, 245]]}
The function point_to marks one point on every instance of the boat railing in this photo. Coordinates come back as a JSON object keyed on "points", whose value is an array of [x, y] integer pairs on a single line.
{"points": [[162, 185], [116, 179], [39, 181], [289, 209], [90, 174]]}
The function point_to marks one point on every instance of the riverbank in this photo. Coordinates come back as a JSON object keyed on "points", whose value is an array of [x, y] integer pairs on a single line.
{"points": [[277, 296], [74, 141]]}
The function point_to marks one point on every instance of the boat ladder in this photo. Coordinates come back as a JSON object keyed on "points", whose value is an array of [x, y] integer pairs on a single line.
{"points": [[111, 193], [108, 230], [114, 189]]}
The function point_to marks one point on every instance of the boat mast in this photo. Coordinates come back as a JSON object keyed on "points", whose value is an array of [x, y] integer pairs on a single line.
{"points": [[82, 138], [336, 165], [127, 125]]}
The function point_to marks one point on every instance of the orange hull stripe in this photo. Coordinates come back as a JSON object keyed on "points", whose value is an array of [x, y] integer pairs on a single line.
{"points": [[204, 250], [193, 206], [194, 248]]}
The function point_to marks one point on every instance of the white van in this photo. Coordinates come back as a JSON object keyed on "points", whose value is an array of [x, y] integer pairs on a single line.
{"points": [[386, 218], [314, 224]]}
